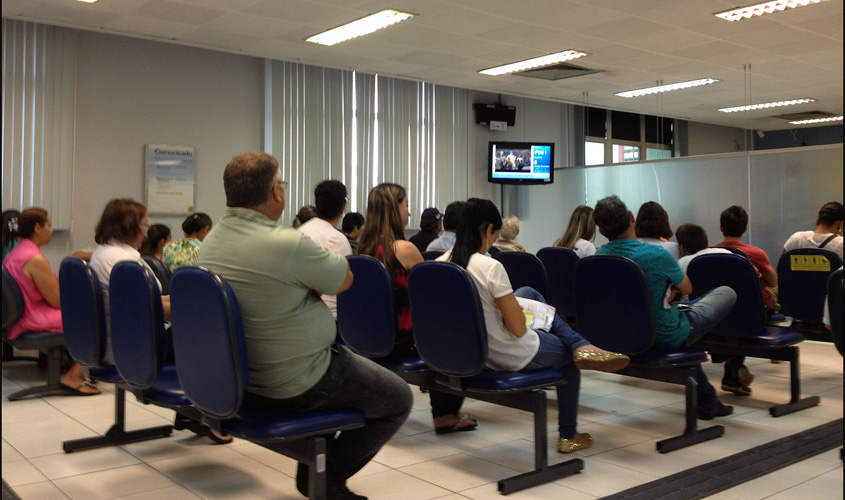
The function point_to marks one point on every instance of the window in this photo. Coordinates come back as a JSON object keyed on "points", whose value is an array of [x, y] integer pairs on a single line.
{"points": [[624, 137]]}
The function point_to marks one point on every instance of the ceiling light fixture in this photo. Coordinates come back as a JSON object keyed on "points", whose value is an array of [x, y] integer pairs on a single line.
{"points": [[817, 120], [752, 107], [363, 26], [537, 62], [88, 1], [762, 9], [667, 88]]}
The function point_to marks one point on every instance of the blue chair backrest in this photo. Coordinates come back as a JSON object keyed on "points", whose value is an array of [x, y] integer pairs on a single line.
{"points": [[748, 316], [137, 324], [560, 269], [366, 312], [802, 282], [161, 272], [449, 329], [13, 302], [735, 251], [208, 340], [613, 304], [83, 313], [432, 254], [834, 304], [525, 269]]}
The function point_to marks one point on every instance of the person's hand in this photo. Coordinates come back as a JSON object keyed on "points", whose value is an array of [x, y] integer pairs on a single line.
{"points": [[674, 296]]}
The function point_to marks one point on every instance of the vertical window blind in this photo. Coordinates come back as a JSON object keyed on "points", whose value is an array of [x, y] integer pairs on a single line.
{"points": [[366, 129], [39, 76]]}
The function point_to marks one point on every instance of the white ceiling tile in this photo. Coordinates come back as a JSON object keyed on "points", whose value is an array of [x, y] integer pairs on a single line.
{"points": [[177, 12]]}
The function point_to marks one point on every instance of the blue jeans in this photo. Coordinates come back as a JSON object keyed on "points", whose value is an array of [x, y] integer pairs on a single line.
{"points": [[556, 348], [352, 381], [707, 311]]}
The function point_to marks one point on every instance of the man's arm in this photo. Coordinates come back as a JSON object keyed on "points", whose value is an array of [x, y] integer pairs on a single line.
{"points": [[347, 283], [770, 277]]}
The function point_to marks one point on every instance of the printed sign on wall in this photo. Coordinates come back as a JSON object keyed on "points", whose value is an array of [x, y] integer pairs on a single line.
{"points": [[170, 179]]}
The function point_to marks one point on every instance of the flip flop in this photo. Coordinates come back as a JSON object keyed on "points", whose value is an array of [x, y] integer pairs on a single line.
{"points": [[460, 426], [78, 389]]}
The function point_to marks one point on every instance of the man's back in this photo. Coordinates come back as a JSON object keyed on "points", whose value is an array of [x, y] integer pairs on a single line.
{"points": [[661, 271], [272, 271], [422, 239]]}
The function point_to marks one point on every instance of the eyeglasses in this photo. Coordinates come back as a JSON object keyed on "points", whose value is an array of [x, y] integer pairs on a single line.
{"points": [[284, 184]]}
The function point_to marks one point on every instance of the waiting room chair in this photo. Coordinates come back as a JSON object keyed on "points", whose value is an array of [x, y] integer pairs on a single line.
{"points": [[212, 364], [802, 286], [525, 269], [834, 305], [614, 309], [744, 332], [560, 270], [139, 341], [451, 338], [161, 272], [51, 342], [83, 319], [735, 251], [432, 254], [366, 317]]}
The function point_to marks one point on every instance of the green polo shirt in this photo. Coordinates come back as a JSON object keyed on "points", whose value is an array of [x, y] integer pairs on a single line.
{"points": [[272, 270]]}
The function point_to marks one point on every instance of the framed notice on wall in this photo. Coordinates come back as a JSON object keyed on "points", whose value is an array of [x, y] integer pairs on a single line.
{"points": [[170, 179]]}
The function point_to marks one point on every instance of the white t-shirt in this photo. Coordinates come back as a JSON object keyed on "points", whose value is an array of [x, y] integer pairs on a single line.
{"points": [[103, 260], [331, 240], [668, 245], [685, 260], [505, 351], [811, 239], [584, 248]]}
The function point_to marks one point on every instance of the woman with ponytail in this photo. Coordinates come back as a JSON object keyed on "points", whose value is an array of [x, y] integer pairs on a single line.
{"points": [[383, 237], [183, 252], [512, 346]]}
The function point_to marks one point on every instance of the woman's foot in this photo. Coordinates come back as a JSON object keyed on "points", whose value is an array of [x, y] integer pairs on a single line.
{"points": [[590, 357], [79, 384], [458, 422], [581, 441], [200, 429]]}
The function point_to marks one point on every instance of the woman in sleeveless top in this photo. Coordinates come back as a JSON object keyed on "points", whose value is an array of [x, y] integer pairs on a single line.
{"points": [[383, 238]]}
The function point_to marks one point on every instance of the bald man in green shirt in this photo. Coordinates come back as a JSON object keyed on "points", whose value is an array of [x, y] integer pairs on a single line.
{"points": [[278, 274]]}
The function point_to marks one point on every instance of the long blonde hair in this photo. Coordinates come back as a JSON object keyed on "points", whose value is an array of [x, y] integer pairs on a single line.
{"points": [[384, 222], [581, 226]]}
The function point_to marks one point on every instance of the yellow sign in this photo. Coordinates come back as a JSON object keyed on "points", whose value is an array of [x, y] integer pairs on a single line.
{"points": [[809, 263]]}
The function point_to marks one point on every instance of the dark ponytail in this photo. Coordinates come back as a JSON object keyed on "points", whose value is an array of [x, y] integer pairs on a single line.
{"points": [[477, 215], [195, 223]]}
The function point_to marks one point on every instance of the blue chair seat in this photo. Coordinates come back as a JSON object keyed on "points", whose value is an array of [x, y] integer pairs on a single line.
{"points": [[256, 424], [167, 391], [669, 359], [105, 373], [496, 381], [403, 363]]}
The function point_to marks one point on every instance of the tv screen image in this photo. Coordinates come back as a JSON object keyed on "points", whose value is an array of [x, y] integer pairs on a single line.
{"points": [[520, 162]]}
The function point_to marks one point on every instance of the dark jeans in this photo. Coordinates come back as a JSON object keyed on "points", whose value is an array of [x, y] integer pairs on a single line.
{"points": [[352, 381]]}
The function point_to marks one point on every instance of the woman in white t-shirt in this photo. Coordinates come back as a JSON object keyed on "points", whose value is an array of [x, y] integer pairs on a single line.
{"points": [[828, 233], [579, 233], [511, 345]]}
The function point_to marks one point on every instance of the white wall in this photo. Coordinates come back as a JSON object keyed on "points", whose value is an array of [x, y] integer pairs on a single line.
{"points": [[707, 139], [132, 92]]}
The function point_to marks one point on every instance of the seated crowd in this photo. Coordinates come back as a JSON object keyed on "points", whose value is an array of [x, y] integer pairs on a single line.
{"points": [[287, 280]]}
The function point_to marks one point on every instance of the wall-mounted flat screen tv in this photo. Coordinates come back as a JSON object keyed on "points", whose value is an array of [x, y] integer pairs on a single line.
{"points": [[520, 162]]}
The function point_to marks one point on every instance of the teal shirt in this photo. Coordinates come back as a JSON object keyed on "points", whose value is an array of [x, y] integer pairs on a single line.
{"points": [[661, 271], [272, 270], [180, 253]]}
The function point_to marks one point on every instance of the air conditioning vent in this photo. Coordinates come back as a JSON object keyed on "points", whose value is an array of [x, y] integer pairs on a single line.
{"points": [[558, 72], [807, 115]]}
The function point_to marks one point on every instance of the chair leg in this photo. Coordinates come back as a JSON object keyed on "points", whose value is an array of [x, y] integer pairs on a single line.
{"points": [[692, 435], [54, 386], [791, 354], [117, 434]]}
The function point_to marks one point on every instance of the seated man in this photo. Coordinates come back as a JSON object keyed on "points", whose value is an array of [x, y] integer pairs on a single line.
{"points": [[451, 220], [828, 233], [675, 329], [430, 226], [294, 364], [692, 242], [352, 224]]}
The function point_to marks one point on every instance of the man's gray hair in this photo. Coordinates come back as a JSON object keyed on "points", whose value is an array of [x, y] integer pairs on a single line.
{"points": [[611, 216], [510, 228]]}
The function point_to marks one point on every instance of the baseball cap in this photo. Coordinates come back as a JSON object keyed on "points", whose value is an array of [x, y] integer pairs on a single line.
{"points": [[431, 214]]}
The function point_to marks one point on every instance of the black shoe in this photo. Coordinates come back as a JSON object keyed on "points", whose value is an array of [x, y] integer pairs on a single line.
{"points": [[718, 410], [302, 478], [344, 494]]}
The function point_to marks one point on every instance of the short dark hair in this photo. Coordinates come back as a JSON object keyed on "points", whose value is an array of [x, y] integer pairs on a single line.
{"points": [[652, 221], [248, 179], [121, 221], [453, 215], [196, 222], [831, 213], [611, 216], [692, 237], [329, 199], [734, 221], [351, 221], [28, 219]]}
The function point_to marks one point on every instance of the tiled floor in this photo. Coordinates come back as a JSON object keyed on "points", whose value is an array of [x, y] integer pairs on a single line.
{"points": [[625, 416]]}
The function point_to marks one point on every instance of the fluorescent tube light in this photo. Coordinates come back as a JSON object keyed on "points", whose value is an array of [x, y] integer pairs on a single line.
{"points": [[762, 9], [537, 62], [667, 88], [817, 120], [363, 26], [88, 1], [752, 107]]}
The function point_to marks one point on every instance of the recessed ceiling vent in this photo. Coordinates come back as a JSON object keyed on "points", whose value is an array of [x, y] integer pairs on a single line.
{"points": [[558, 72], [807, 115]]}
